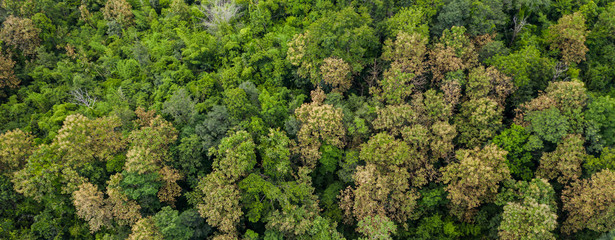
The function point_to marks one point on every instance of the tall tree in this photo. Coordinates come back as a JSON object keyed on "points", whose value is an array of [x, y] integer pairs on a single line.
{"points": [[474, 178], [590, 203]]}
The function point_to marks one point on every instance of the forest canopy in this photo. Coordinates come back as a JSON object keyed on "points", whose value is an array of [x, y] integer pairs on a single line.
{"points": [[312, 119]]}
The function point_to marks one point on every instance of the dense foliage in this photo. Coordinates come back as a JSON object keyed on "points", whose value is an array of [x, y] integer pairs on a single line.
{"points": [[286, 119]]}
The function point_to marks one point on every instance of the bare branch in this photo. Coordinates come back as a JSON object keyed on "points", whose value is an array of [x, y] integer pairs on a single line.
{"points": [[559, 69], [217, 13], [518, 26], [82, 97]]}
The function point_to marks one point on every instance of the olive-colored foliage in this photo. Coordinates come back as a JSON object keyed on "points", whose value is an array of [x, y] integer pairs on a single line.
{"points": [[320, 124], [377, 227], [565, 162], [529, 211], [20, 33], [478, 120], [474, 178], [590, 203], [489, 83], [336, 73], [454, 51], [569, 35], [15, 148], [145, 228], [406, 55], [119, 11], [7, 75], [378, 192], [220, 202], [393, 118], [82, 140], [235, 156]]}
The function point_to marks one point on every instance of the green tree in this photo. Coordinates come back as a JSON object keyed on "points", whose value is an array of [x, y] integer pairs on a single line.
{"points": [[330, 36]]}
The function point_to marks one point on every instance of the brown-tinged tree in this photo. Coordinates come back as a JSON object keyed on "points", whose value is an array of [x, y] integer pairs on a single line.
{"points": [[320, 124], [144, 229], [406, 55], [336, 73], [478, 120], [119, 11], [393, 118], [489, 82], [569, 35], [83, 140], [454, 51], [386, 193], [20, 33], [590, 203], [7, 76], [220, 202], [564, 164], [15, 148], [91, 206], [383, 185], [474, 178]]}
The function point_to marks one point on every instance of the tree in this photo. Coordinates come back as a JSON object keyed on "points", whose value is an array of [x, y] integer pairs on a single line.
{"points": [[530, 211], [15, 148], [515, 141], [181, 107], [91, 206], [478, 120], [320, 123], [336, 73], [330, 36], [602, 112], [218, 13], [145, 228], [489, 83], [275, 152], [7, 75], [452, 52], [590, 203], [235, 156], [474, 178], [569, 35], [377, 227], [383, 185], [565, 162], [119, 11], [548, 124], [82, 140], [20, 33], [406, 55]]}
